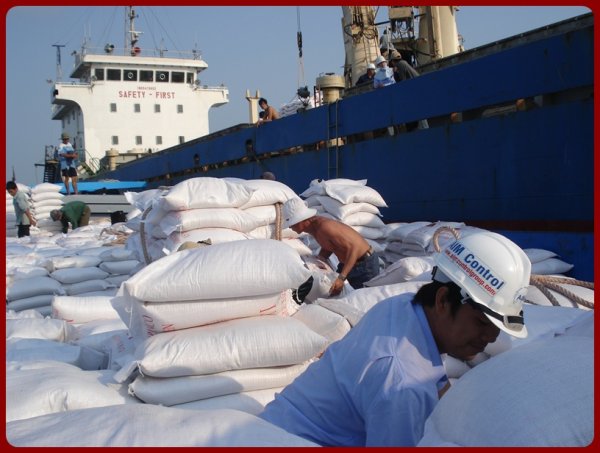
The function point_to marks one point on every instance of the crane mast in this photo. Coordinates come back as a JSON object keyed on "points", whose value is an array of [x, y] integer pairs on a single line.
{"points": [[420, 33]]}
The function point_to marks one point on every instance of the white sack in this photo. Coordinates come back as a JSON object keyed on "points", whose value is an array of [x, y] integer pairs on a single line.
{"points": [[205, 192], [145, 319], [81, 274], [325, 322], [33, 349], [30, 287], [88, 286], [358, 302], [119, 267], [243, 268], [232, 345], [34, 392], [63, 262], [253, 402], [403, 270], [184, 389], [146, 425], [30, 302], [193, 219], [346, 194], [543, 395], [82, 309], [48, 329]]}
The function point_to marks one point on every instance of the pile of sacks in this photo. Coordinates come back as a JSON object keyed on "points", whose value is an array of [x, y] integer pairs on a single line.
{"points": [[351, 202], [213, 326], [38, 268], [228, 209], [42, 198]]}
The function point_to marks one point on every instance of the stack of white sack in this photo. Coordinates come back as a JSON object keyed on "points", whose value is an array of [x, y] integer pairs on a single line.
{"points": [[351, 202], [48, 373], [39, 268], [11, 218], [265, 205], [536, 395], [215, 321], [296, 104], [546, 262], [416, 238], [44, 198]]}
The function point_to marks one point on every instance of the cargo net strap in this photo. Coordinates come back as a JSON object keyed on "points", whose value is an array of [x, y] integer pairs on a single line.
{"points": [[147, 258], [440, 230], [545, 283], [278, 221]]}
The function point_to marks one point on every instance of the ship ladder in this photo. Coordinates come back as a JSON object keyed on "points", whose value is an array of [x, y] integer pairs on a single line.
{"points": [[333, 156], [51, 172]]}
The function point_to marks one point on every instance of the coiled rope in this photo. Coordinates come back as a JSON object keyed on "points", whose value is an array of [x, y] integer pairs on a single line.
{"points": [[544, 283]]}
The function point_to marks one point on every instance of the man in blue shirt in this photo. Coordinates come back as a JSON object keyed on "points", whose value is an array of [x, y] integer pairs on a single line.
{"points": [[68, 162], [378, 384]]}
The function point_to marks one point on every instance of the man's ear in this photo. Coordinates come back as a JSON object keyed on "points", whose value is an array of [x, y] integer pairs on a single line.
{"points": [[441, 300]]}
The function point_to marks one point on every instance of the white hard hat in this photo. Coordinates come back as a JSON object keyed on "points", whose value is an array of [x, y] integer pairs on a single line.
{"points": [[380, 59], [493, 272], [371, 66], [295, 210]]}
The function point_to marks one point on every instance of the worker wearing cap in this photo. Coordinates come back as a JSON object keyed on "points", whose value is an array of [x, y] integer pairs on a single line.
{"points": [[68, 162], [77, 213], [357, 262], [378, 385], [367, 77], [384, 75]]}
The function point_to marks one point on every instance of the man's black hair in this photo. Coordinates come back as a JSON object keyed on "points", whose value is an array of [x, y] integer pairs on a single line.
{"points": [[11, 185], [426, 295], [261, 100]]}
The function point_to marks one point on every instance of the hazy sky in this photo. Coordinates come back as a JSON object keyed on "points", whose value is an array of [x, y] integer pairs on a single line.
{"points": [[250, 48]]}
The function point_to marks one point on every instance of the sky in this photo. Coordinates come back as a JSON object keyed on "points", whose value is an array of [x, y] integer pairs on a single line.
{"points": [[246, 48]]}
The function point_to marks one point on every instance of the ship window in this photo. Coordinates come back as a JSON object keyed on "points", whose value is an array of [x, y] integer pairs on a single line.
{"points": [[179, 108], [177, 77], [130, 75], [159, 139], [181, 139], [138, 139], [114, 140], [146, 76], [190, 77], [113, 74], [137, 108], [99, 73], [113, 107], [156, 108], [162, 76]]}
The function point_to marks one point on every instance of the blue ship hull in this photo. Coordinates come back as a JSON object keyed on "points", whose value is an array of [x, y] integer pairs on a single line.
{"points": [[520, 161]]}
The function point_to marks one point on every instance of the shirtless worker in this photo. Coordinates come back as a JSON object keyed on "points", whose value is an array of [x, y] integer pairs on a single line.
{"points": [[358, 263], [270, 113]]}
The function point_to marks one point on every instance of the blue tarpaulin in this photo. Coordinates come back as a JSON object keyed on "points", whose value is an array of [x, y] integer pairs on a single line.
{"points": [[102, 186]]}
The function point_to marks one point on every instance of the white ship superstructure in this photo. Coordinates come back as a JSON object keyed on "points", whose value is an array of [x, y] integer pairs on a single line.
{"points": [[133, 104]]}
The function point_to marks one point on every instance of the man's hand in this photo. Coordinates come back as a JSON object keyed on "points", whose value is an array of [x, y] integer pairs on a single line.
{"points": [[336, 288]]}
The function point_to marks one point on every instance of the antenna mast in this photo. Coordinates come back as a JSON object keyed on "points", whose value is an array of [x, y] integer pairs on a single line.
{"points": [[58, 65], [132, 39]]}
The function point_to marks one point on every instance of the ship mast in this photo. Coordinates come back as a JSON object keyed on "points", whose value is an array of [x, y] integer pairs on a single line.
{"points": [[132, 36]]}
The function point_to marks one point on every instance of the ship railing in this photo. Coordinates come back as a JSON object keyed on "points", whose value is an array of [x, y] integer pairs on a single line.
{"points": [[142, 51]]}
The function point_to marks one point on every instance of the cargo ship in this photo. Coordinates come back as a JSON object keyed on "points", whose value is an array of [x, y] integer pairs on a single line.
{"points": [[509, 144]]}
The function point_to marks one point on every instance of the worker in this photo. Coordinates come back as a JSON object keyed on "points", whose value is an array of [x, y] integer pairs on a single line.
{"points": [[384, 75], [68, 162], [23, 216], [270, 113], [367, 77], [77, 213], [378, 384], [357, 262]]}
